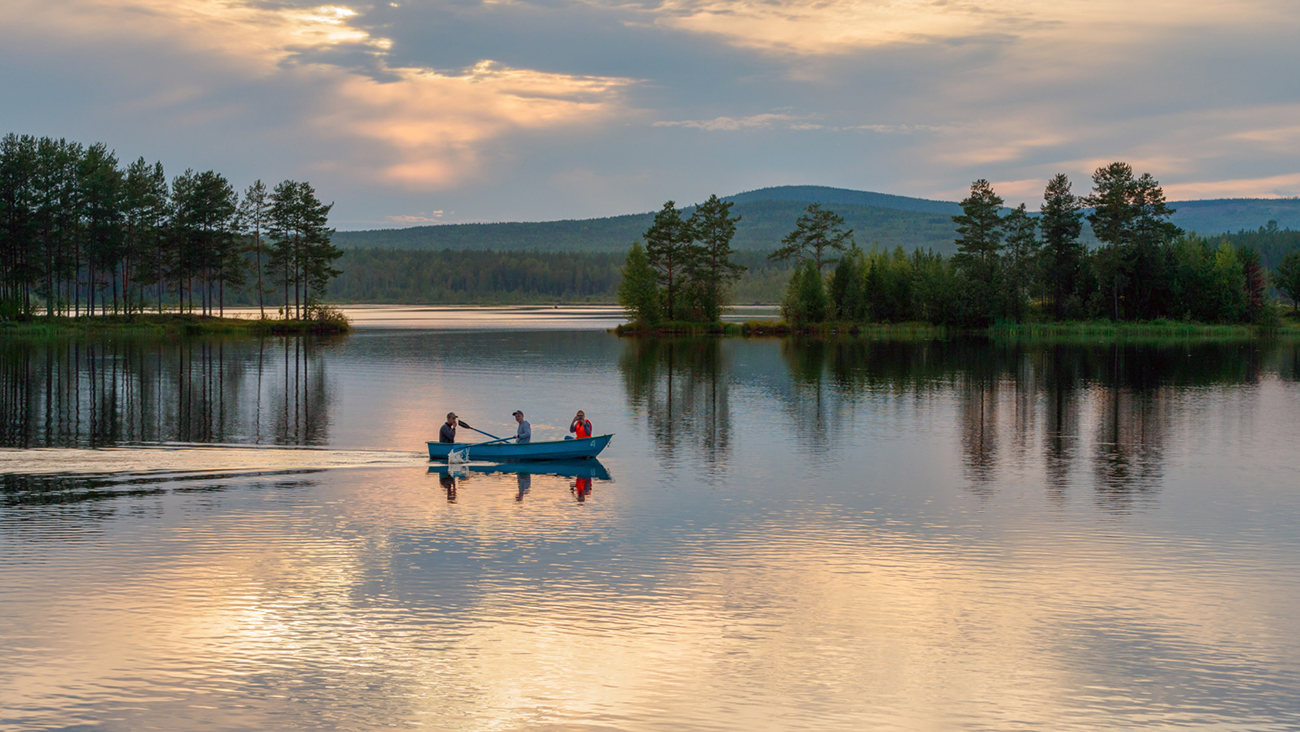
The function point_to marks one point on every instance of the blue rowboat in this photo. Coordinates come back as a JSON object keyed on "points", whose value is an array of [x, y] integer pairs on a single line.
{"points": [[587, 447], [565, 468]]}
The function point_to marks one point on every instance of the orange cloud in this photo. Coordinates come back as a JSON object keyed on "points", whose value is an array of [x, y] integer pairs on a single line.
{"points": [[432, 124], [1275, 186], [814, 27], [437, 122]]}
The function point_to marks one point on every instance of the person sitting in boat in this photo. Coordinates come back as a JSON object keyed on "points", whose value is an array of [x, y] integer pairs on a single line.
{"points": [[525, 431], [448, 431], [580, 426]]}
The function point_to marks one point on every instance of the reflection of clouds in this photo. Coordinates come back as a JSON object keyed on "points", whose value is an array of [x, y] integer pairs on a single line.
{"points": [[367, 600]]}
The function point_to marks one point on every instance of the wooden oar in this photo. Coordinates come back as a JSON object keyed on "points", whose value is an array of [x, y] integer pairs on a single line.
{"points": [[489, 442], [481, 432]]}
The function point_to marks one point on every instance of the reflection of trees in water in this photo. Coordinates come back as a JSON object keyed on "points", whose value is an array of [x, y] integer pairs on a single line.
{"points": [[979, 429], [1020, 404], [1133, 420], [1059, 382], [1130, 388], [680, 388], [828, 380], [96, 393]]}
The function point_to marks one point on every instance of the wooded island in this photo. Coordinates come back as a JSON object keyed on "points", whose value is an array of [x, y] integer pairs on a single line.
{"points": [[82, 236], [1009, 267]]}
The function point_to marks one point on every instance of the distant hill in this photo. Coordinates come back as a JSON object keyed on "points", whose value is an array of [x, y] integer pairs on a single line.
{"points": [[768, 214], [835, 196], [1230, 215]]}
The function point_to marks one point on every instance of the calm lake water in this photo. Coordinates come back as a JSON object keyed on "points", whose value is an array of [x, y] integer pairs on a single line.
{"points": [[783, 535]]}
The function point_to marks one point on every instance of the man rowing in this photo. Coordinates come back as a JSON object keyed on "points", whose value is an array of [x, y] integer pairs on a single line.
{"points": [[525, 431]]}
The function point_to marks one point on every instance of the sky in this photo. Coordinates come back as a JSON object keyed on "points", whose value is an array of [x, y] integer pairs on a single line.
{"points": [[446, 111]]}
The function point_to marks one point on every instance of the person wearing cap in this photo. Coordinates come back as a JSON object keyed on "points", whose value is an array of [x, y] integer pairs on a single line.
{"points": [[448, 431], [525, 431]]}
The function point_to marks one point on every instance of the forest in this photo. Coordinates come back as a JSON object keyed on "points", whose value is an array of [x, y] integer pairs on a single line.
{"points": [[451, 277], [762, 222], [1009, 266], [83, 234]]}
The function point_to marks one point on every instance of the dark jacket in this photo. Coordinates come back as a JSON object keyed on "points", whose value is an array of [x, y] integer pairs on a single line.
{"points": [[447, 433]]}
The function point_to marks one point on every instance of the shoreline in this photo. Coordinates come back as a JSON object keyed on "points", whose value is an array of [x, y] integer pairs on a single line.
{"points": [[1072, 331], [167, 324]]}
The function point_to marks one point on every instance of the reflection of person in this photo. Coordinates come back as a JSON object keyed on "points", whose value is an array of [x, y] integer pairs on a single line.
{"points": [[581, 489], [448, 484], [580, 426], [525, 484], [448, 431], [525, 431]]}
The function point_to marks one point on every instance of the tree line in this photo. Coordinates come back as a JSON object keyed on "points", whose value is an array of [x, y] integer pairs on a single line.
{"points": [[82, 234], [686, 269], [1013, 266]]}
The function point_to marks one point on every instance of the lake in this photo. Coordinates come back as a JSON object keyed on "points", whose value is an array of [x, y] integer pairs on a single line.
{"points": [[784, 534]]}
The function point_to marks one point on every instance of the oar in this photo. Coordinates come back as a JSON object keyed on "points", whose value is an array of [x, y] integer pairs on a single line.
{"points": [[481, 432], [489, 442]]}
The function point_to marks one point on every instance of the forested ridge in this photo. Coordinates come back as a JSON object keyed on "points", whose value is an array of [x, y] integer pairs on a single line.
{"points": [[761, 226], [452, 277], [877, 219]]}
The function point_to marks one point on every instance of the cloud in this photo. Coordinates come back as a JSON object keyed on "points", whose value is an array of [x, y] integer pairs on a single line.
{"points": [[523, 109], [757, 121], [1274, 186], [816, 27], [420, 219], [435, 123], [430, 124]]}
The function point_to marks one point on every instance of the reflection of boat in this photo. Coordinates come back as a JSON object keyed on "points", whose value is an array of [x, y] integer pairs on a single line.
{"points": [[565, 468], [587, 447]]}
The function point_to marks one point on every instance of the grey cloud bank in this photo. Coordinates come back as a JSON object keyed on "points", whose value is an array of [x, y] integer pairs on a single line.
{"points": [[412, 112]]}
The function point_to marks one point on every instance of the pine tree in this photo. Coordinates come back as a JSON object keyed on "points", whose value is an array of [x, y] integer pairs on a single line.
{"points": [[1130, 217], [638, 292], [319, 252], [979, 242], [669, 247], [1021, 256], [805, 299], [302, 255], [1061, 222], [1287, 279], [711, 270], [817, 232], [101, 187], [254, 214]]}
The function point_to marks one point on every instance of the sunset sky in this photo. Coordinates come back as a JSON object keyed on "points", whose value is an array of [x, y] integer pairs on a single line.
{"points": [[421, 111]]}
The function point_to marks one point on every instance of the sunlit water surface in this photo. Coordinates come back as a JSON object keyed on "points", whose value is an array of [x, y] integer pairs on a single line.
{"points": [[783, 535]]}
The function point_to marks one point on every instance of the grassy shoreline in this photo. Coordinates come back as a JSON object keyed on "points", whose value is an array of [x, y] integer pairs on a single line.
{"points": [[1077, 331], [168, 324]]}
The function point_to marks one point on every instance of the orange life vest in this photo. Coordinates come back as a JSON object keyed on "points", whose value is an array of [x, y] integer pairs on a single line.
{"points": [[583, 429]]}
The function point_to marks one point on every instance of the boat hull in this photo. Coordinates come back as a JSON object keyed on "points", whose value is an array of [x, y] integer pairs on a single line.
{"points": [[588, 447]]}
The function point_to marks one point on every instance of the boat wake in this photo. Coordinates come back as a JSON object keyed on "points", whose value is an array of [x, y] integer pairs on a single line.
{"points": [[180, 459]]}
